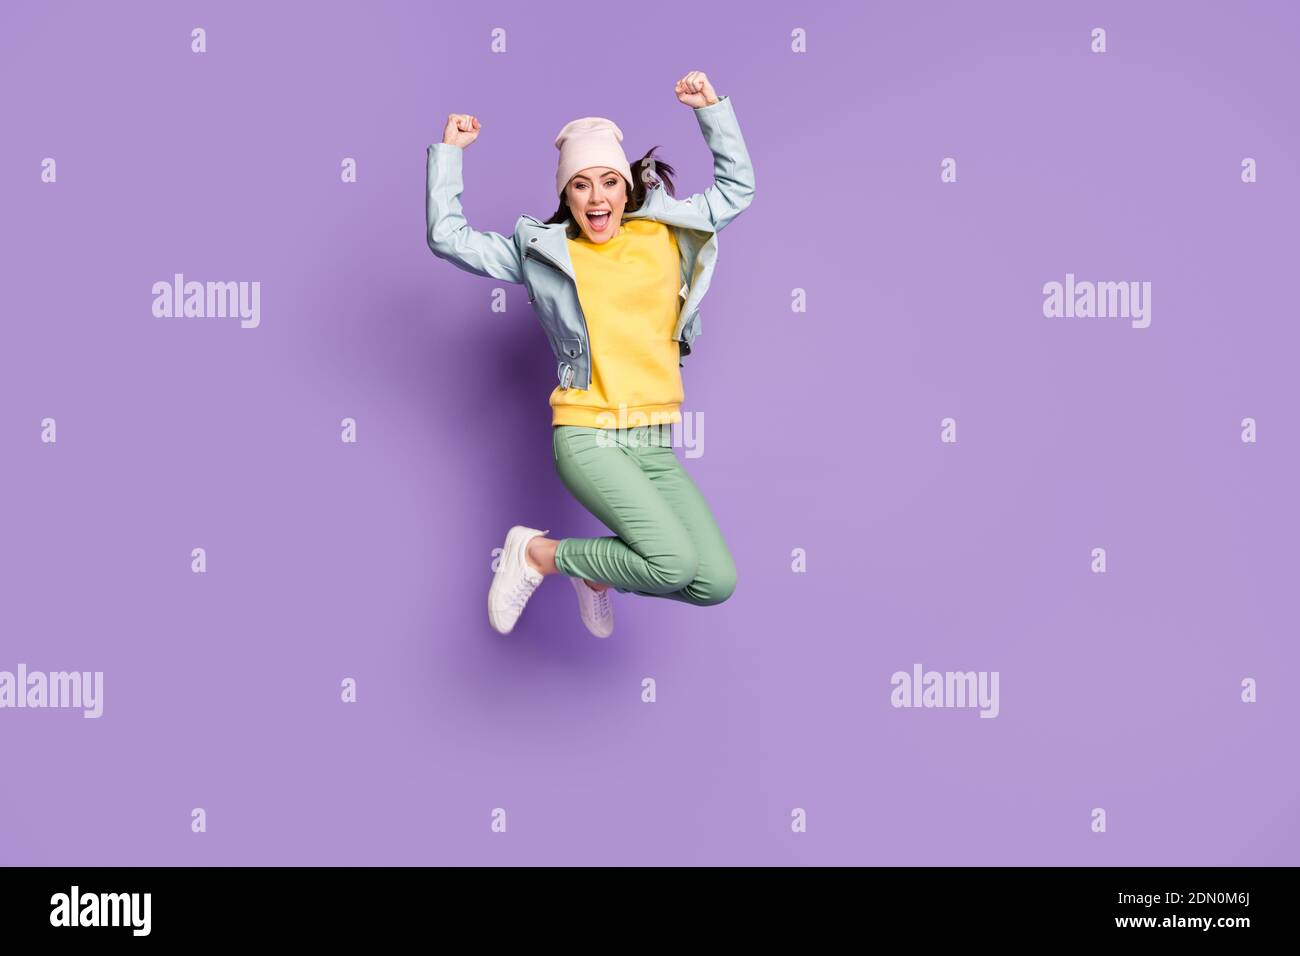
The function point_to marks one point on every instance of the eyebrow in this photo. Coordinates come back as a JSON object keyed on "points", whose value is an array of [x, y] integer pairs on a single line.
{"points": [[610, 172]]}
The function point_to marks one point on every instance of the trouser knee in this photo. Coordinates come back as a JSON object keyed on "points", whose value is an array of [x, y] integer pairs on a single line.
{"points": [[674, 571], [718, 589]]}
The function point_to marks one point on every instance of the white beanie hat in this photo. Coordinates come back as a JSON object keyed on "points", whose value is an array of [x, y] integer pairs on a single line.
{"points": [[590, 141]]}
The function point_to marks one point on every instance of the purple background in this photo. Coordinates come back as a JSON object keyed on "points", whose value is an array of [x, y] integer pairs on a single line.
{"points": [[372, 560]]}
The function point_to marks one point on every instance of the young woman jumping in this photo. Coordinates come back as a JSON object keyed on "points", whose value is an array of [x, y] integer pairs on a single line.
{"points": [[615, 276]]}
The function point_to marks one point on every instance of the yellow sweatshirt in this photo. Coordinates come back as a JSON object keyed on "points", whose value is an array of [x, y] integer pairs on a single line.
{"points": [[628, 289]]}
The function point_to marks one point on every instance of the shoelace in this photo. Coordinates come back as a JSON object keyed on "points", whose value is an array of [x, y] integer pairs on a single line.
{"points": [[602, 603], [523, 587], [523, 590]]}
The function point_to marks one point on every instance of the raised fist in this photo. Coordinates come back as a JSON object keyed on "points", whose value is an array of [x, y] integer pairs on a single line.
{"points": [[462, 129], [695, 91]]}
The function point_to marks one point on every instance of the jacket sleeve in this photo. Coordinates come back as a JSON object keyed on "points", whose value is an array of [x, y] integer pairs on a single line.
{"points": [[733, 173], [488, 254]]}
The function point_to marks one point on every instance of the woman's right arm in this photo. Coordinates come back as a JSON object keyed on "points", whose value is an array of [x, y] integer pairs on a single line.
{"points": [[488, 254]]}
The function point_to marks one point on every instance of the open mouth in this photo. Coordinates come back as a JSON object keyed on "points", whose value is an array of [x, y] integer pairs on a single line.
{"points": [[599, 221]]}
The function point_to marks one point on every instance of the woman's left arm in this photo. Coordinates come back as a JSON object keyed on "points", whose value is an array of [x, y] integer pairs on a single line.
{"points": [[733, 173]]}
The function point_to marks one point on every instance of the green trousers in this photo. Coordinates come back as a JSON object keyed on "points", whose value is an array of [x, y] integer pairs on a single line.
{"points": [[665, 541]]}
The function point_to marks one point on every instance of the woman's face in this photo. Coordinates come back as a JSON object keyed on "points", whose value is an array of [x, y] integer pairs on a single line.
{"points": [[596, 197]]}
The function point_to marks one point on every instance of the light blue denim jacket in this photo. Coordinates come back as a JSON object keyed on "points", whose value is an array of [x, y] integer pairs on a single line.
{"points": [[537, 255]]}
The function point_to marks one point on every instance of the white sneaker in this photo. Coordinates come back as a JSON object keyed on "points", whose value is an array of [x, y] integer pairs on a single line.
{"points": [[514, 581], [594, 606]]}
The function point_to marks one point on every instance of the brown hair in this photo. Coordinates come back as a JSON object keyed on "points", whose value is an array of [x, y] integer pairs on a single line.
{"points": [[636, 192]]}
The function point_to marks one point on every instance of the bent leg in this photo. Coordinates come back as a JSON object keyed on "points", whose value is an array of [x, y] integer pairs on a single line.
{"points": [[651, 551], [715, 576]]}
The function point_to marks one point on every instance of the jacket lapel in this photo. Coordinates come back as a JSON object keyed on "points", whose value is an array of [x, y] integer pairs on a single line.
{"points": [[675, 212]]}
